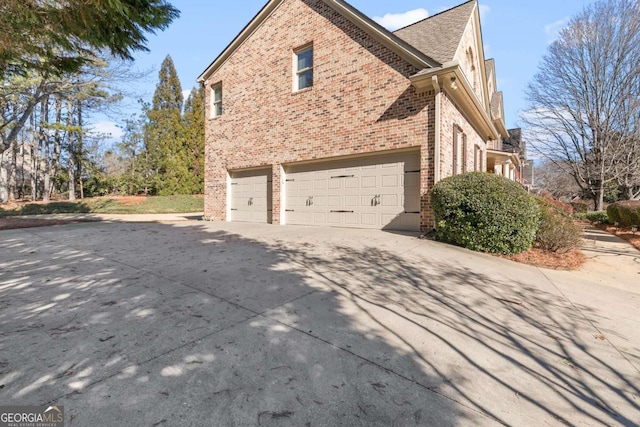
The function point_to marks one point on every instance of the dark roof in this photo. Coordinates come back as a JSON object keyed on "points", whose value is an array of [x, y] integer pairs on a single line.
{"points": [[439, 36], [515, 144]]}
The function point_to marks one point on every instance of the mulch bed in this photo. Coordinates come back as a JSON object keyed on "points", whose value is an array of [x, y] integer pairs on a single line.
{"points": [[571, 260]]}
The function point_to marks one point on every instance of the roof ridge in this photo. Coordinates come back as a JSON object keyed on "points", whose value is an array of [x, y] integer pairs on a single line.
{"points": [[433, 16]]}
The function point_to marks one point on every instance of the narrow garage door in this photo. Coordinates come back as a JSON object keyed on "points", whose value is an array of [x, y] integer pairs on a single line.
{"points": [[251, 196], [380, 192]]}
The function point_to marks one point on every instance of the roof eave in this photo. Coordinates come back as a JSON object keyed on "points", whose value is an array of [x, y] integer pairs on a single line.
{"points": [[240, 38], [509, 155], [464, 96], [387, 38], [394, 43]]}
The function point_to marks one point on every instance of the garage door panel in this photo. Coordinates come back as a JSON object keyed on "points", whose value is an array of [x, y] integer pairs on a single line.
{"points": [[351, 182], [351, 201], [390, 181], [333, 218], [305, 185], [320, 217], [390, 200], [320, 184], [351, 219], [368, 219], [334, 201], [369, 182], [250, 196], [361, 192]]}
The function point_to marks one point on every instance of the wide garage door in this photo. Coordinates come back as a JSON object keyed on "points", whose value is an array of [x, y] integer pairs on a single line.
{"points": [[380, 192], [251, 196]]}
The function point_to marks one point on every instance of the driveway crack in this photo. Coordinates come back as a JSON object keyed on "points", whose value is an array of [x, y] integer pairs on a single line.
{"points": [[593, 325]]}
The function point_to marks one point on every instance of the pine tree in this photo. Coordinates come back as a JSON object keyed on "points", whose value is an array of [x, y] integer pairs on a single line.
{"points": [[58, 36], [164, 135], [194, 115]]}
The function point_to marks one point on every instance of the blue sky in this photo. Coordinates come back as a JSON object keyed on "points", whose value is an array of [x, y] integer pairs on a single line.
{"points": [[515, 32]]}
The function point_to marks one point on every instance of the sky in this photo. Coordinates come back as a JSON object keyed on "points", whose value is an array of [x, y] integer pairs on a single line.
{"points": [[516, 33]]}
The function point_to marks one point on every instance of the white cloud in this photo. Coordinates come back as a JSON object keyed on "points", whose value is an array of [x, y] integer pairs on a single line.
{"points": [[109, 129], [185, 94], [552, 29], [484, 11], [393, 21]]}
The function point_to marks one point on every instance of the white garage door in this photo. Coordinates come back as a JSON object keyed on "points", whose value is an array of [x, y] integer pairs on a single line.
{"points": [[251, 196], [380, 192]]}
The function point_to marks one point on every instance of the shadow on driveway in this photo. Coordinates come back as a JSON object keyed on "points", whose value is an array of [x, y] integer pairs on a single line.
{"points": [[217, 324]]}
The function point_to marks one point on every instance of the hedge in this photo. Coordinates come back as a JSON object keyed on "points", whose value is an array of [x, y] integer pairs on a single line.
{"points": [[626, 213], [599, 217], [485, 212]]}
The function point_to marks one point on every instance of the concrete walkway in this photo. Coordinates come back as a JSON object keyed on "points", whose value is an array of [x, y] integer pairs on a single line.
{"points": [[199, 323]]}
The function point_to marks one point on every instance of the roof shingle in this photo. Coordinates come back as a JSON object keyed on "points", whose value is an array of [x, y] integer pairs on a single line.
{"points": [[439, 35]]}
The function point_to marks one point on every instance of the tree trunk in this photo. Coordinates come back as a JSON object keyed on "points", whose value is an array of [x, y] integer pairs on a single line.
{"points": [[79, 151], [44, 158], [71, 151], [12, 170], [4, 179], [599, 201], [33, 160]]}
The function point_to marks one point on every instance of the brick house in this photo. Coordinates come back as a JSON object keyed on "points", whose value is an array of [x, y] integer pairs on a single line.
{"points": [[316, 115]]}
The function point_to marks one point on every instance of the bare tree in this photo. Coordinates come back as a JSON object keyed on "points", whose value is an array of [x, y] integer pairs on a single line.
{"points": [[557, 182], [584, 100], [629, 171]]}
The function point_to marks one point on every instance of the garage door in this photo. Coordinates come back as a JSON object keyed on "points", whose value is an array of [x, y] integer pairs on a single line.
{"points": [[380, 192], [251, 196]]}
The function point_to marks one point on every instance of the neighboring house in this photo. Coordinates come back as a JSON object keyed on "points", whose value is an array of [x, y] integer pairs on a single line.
{"points": [[316, 115], [508, 157]]}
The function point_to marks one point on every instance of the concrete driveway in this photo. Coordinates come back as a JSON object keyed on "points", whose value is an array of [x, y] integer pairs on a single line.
{"points": [[200, 324]]}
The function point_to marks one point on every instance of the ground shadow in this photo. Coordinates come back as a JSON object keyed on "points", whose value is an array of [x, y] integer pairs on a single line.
{"points": [[158, 324]]}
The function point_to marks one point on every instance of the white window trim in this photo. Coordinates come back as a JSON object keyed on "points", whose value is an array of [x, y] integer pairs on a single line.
{"points": [[297, 72], [214, 103]]}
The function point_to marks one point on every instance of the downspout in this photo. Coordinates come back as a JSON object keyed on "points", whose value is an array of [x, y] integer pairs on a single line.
{"points": [[436, 148]]}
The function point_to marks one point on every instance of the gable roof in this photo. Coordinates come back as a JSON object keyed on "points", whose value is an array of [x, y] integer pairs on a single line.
{"points": [[439, 36], [404, 49]]}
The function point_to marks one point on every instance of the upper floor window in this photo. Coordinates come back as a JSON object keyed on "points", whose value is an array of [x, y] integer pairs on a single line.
{"points": [[216, 100], [459, 151], [303, 68], [471, 68]]}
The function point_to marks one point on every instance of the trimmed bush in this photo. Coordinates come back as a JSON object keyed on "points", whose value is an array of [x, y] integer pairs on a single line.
{"points": [[557, 231], [484, 212], [598, 217], [627, 213]]}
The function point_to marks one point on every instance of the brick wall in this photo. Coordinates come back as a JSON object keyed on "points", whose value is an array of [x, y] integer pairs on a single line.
{"points": [[361, 101], [471, 69], [452, 117]]}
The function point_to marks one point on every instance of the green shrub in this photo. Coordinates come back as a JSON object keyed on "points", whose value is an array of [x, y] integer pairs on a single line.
{"points": [[484, 212], [627, 213], [557, 231], [598, 217]]}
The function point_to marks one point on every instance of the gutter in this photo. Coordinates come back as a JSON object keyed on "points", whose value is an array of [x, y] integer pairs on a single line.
{"points": [[436, 148], [462, 94]]}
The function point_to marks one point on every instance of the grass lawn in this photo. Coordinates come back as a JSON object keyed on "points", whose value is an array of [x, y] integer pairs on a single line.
{"points": [[113, 205]]}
